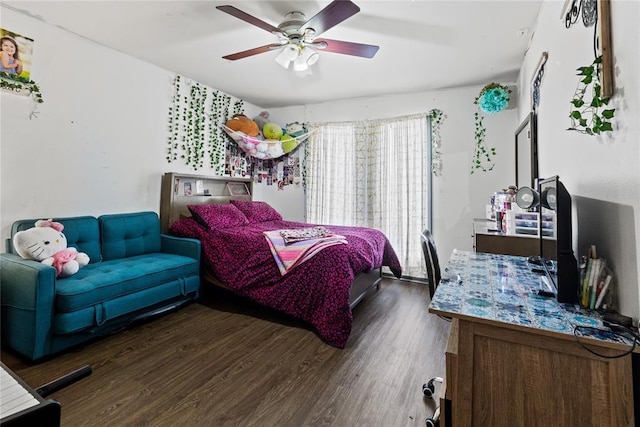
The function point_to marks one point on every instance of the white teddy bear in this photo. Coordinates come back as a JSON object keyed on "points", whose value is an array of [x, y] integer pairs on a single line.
{"points": [[46, 243]]}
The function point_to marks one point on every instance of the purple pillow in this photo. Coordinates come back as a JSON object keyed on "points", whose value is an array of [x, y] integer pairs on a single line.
{"points": [[257, 211], [218, 215]]}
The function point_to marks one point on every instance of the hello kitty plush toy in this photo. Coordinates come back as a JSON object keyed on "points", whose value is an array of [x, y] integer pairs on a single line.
{"points": [[46, 243]]}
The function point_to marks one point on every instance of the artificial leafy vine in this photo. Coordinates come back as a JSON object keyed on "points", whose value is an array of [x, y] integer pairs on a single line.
{"points": [[18, 84], [482, 155], [173, 122], [493, 98], [194, 122], [593, 117]]}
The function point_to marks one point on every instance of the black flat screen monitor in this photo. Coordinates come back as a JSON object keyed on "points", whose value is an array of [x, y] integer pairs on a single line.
{"points": [[555, 202]]}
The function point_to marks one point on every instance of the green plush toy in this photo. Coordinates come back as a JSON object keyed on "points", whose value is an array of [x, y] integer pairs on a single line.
{"points": [[288, 143], [272, 131]]}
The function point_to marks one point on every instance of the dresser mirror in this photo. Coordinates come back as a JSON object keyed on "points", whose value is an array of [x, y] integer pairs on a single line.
{"points": [[526, 152]]}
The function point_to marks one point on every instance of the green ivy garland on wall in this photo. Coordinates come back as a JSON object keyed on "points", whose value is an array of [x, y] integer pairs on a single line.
{"points": [[18, 84], [194, 122], [173, 122], [21, 85], [592, 117], [493, 98], [482, 155]]}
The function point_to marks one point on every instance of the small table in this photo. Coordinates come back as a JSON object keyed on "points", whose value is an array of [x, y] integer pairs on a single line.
{"points": [[517, 358]]}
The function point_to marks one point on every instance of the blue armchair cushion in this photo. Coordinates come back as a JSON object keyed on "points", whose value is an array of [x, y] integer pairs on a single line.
{"points": [[128, 235]]}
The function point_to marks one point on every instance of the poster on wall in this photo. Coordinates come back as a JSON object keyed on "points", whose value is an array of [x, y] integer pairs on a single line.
{"points": [[16, 54]]}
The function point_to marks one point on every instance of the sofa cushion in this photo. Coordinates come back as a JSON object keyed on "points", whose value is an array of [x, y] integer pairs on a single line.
{"points": [[81, 232], [96, 283], [131, 234]]}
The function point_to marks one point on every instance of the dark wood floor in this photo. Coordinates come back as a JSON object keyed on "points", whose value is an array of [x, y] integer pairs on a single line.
{"points": [[226, 362]]}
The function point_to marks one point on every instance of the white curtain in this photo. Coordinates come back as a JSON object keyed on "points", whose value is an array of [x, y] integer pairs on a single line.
{"points": [[373, 174]]}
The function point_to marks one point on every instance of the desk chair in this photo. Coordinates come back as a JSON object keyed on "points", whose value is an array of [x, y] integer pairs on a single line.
{"points": [[431, 259], [433, 275]]}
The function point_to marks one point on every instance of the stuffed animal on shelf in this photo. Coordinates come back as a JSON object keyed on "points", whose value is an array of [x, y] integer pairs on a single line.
{"points": [[46, 243], [242, 123]]}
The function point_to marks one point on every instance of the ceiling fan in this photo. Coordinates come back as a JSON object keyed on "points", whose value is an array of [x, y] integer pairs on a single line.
{"points": [[297, 35]]}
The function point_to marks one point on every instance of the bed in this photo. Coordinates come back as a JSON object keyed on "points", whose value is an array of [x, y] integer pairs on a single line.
{"points": [[322, 290]]}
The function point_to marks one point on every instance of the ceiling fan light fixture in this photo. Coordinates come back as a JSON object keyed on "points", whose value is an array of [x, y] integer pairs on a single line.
{"points": [[289, 53], [300, 64], [310, 55], [282, 60], [307, 58]]}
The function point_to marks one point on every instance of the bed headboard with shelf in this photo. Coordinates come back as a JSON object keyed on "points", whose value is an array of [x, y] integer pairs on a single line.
{"points": [[180, 190]]}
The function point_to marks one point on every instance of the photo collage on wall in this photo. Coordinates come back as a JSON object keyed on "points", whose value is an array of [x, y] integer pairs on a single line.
{"points": [[283, 171]]}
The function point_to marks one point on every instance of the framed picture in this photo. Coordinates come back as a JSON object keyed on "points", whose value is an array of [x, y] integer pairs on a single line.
{"points": [[17, 51], [199, 187], [238, 189]]}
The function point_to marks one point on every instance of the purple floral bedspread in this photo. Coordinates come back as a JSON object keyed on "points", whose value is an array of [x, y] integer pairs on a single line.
{"points": [[316, 291]]}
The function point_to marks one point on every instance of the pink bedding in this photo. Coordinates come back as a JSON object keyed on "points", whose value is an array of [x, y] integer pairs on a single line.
{"points": [[316, 291]]}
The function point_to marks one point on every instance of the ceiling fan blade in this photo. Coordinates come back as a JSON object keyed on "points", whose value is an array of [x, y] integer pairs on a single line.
{"points": [[234, 11], [336, 12], [251, 52], [346, 48]]}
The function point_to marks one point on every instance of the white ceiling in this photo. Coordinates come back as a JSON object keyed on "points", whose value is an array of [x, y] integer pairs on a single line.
{"points": [[424, 45]]}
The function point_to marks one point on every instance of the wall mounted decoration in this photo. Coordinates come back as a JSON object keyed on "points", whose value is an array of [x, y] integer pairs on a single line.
{"points": [[16, 52], [195, 116], [273, 147], [595, 13], [493, 98], [536, 81], [591, 115], [437, 117]]}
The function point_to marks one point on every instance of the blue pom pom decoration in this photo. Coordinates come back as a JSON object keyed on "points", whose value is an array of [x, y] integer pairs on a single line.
{"points": [[494, 100]]}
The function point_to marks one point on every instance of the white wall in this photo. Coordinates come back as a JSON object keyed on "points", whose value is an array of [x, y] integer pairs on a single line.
{"points": [[602, 173], [98, 143], [458, 196]]}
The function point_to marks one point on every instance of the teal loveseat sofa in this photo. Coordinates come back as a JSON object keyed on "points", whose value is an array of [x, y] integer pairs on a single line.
{"points": [[134, 271]]}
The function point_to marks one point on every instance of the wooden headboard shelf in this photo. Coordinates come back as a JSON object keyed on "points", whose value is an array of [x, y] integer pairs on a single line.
{"points": [[181, 189]]}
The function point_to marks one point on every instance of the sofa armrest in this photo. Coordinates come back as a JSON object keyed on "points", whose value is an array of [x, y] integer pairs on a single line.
{"points": [[180, 246], [28, 302]]}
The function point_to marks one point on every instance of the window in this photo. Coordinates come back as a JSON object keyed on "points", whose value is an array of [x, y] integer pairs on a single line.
{"points": [[373, 174]]}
